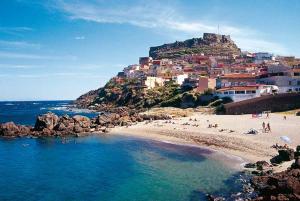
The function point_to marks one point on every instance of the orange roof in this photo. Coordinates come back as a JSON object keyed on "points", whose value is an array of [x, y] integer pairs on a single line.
{"points": [[238, 88], [296, 70], [239, 75]]}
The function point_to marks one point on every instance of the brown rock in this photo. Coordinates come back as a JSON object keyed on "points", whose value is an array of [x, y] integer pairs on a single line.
{"points": [[9, 129], [48, 121], [82, 121]]}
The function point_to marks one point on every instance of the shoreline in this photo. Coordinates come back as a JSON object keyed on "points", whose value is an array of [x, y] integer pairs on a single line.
{"points": [[250, 148], [232, 161]]}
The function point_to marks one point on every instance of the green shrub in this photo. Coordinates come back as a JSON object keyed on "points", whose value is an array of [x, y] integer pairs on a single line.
{"points": [[220, 109]]}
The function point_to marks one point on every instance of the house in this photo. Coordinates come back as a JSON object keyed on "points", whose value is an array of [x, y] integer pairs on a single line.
{"points": [[179, 79], [286, 78], [240, 93], [130, 70], [152, 82], [261, 57], [211, 83], [145, 62], [236, 79], [284, 83], [202, 84], [216, 72]]}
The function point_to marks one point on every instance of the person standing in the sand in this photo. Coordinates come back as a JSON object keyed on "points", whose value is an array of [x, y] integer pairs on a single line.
{"points": [[264, 127], [268, 127]]}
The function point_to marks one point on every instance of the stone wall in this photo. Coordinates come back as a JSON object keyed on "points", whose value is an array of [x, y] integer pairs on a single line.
{"points": [[274, 103]]}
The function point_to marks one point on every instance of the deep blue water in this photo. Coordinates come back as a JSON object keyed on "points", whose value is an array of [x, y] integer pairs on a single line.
{"points": [[25, 112], [106, 168]]}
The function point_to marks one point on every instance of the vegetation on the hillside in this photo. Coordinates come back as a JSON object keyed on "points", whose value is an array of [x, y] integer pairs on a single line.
{"points": [[131, 94]]}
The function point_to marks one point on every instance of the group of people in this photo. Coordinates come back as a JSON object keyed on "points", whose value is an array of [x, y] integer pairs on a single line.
{"points": [[266, 128]]}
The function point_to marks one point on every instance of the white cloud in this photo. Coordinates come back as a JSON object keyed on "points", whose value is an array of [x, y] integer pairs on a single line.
{"points": [[257, 45], [15, 30], [18, 66], [19, 44], [12, 55], [162, 17], [79, 37]]}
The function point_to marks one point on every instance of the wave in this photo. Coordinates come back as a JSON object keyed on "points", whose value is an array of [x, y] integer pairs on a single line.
{"points": [[69, 109], [9, 104]]}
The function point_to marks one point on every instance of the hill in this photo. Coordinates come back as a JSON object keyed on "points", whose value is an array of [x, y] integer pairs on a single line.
{"points": [[210, 44]]}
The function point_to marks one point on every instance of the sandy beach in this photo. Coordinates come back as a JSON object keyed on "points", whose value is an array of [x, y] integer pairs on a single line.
{"points": [[229, 137]]}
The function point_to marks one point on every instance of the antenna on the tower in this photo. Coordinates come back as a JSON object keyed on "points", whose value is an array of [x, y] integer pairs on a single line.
{"points": [[218, 29]]}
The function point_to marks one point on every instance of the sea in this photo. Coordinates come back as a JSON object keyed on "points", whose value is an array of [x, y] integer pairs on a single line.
{"points": [[105, 168]]}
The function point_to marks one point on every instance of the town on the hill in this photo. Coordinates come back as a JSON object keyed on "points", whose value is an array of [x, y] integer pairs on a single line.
{"points": [[235, 74]]}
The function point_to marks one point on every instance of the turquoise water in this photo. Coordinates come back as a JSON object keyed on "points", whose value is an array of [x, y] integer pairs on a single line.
{"points": [[108, 168], [103, 168]]}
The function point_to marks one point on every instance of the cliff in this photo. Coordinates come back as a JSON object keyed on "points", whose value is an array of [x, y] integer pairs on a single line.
{"points": [[210, 44]]}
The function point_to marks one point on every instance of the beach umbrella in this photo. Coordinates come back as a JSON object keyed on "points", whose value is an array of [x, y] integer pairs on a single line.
{"points": [[286, 139]]}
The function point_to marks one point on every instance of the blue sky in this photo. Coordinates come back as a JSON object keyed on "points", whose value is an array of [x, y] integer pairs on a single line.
{"points": [[59, 49]]}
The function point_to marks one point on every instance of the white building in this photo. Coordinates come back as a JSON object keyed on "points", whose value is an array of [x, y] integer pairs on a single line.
{"points": [[240, 93], [260, 57], [284, 83], [131, 71], [152, 82], [179, 79], [286, 78]]}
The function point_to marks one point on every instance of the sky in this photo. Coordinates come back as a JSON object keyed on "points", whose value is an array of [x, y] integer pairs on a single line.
{"points": [[60, 49]]}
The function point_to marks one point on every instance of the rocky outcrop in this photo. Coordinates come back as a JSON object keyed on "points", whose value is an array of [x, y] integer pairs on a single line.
{"points": [[210, 44], [283, 155], [51, 125], [47, 121], [279, 186], [10, 129], [283, 185]]}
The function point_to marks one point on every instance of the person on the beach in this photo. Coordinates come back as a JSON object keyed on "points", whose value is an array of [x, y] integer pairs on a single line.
{"points": [[264, 127], [284, 117], [268, 127], [267, 114]]}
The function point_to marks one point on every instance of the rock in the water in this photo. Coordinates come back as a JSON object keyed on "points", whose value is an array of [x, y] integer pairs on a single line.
{"points": [[78, 129], [83, 121], [48, 121], [10, 129]]}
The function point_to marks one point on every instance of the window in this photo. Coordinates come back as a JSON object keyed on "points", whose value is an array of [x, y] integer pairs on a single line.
{"points": [[239, 92], [290, 83], [298, 83], [231, 92], [225, 92], [251, 92]]}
